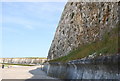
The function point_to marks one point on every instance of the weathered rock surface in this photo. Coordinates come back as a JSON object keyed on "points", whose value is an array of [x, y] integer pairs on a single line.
{"points": [[82, 23]]}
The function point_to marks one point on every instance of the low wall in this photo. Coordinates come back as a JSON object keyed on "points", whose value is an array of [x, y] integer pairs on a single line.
{"points": [[105, 67]]}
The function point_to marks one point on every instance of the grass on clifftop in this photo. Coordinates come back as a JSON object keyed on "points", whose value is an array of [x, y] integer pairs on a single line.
{"points": [[107, 46], [17, 64], [26, 58]]}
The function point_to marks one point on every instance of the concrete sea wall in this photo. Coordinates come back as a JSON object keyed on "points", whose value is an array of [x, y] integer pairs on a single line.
{"points": [[104, 67]]}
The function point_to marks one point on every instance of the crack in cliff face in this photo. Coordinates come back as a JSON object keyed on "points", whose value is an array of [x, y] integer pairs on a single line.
{"points": [[82, 23]]}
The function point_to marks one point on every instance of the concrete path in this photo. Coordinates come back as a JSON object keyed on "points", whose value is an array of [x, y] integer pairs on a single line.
{"points": [[24, 72]]}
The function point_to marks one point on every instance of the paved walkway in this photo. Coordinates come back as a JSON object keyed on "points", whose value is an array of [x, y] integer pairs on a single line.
{"points": [[24, 72]]}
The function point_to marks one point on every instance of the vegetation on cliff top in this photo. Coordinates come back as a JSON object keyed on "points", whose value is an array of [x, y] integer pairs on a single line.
{"points": [[107, 46], [26, 58], [6, 64]]}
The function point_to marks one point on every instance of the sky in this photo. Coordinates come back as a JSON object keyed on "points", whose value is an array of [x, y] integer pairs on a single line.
{"points": [[28, 28]]}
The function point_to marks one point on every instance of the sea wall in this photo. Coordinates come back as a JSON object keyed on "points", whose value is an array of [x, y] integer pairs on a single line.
{"points": [[23, 60], [104, 67]]}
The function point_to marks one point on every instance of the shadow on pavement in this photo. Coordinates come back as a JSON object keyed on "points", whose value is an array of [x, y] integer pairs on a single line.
{"points": [[39, 75]]}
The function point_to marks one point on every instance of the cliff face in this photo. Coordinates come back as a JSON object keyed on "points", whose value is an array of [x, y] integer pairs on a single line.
{"points": [[82, 23], [23, 60]]}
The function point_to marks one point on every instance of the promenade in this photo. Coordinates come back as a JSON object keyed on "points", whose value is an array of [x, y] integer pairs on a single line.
{"points": [[24, 72]]}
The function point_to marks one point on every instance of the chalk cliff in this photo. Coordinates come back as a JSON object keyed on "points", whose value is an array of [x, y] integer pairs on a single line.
{"points": [[23, 60], [82, 23]]}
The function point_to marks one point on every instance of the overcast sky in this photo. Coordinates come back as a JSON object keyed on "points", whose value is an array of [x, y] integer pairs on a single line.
{"points": [[28, 28]]}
